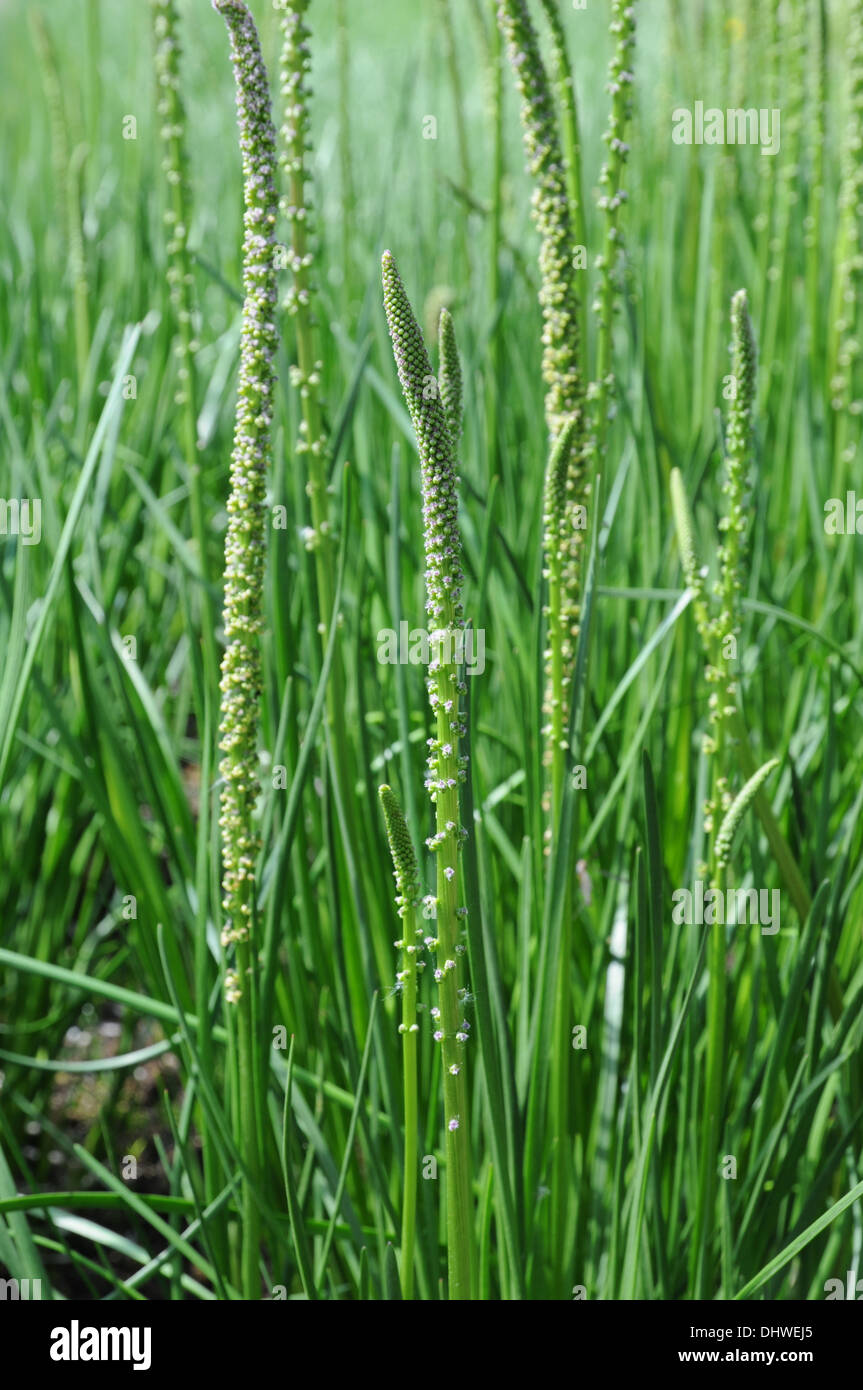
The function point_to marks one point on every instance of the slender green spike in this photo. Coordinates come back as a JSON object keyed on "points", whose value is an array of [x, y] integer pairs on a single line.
{"points": [[246, 538], [402, 851], [737, 810]]}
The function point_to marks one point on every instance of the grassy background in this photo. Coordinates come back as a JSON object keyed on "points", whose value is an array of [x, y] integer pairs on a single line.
{"points": [[100, 755]]}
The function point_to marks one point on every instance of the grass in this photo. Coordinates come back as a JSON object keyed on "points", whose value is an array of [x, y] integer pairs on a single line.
{"points": [[585, 1166]]}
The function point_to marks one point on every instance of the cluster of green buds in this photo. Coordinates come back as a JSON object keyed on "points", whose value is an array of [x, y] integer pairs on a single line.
{"points": [[245, 544], [175, 168], [408, 894], [435, 408]]}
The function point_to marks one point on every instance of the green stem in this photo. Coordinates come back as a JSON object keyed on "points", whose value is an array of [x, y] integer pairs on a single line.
{"points": [[716, 1022], [458, 1215], [247, 1054], [713, 1099], [409, 1060]]}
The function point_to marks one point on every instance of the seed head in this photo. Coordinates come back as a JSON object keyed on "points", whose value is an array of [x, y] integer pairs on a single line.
{"points": [[245, 544], [558, 299], [437, 460], [449, 377], [402, 851]]}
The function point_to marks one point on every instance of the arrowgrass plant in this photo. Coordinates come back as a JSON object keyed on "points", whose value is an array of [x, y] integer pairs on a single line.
{"points": [[719, 620], [245, 553], [566, 488], [576, 442], [435, 411]]}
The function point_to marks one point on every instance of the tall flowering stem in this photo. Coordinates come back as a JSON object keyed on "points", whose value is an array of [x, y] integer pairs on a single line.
{"points": [[739, 446], [296, 207], [718, 618], [612, 196], [245, 548], [430, 403], [561, 369], [407, 901], [558, 299], [566, 496], [718, 614], [721, 673]]}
